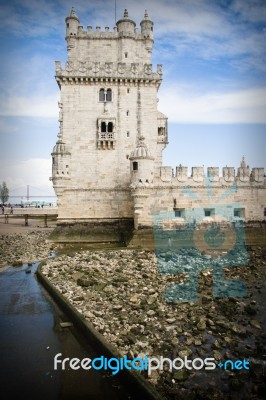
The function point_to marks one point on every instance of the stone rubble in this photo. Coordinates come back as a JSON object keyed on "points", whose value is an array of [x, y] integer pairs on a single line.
{"points": [[19, 248], [121, 293]]}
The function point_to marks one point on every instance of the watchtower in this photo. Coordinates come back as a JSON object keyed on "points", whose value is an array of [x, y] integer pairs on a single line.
{"points": [[108, 103]]}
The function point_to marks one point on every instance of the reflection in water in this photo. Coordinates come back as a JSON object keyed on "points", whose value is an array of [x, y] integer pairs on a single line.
{"points": [[30, 337]]}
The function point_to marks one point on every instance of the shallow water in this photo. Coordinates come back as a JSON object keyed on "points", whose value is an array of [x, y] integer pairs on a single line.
{"points": [[30, 337]]}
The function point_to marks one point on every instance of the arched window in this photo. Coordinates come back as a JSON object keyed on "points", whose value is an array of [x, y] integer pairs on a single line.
{"points": [[101, 95], [109, 95], [103, 127], [110, 127], [105, 95]]}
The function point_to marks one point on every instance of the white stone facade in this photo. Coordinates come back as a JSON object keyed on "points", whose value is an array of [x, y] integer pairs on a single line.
{"points": [[107, 162]]}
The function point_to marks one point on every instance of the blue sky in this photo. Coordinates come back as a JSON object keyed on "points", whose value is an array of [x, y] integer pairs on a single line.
{"points": [[213, 90]]}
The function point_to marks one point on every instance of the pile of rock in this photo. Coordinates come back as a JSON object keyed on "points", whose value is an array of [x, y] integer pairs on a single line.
{"points": [[122, 294], [18, 248]]}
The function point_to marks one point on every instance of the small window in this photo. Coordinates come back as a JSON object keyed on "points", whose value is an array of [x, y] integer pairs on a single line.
{"points": [[264, 211], [128, 90], [66, 166], [109, 95], [207, 213], [127, 113], [127, 156], [103, 127], [110, 127], [125, 55], [53, 160], [128, 134], [67, 25], [101, 95], [239, 212], [179, 212], [105, 95], [135, 166]]}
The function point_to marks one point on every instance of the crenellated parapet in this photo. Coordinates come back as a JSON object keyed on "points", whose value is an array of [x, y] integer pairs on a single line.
{"points": [[242, 176], [125, 28]]}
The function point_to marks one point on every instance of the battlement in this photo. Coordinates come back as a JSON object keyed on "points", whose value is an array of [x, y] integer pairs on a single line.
{"points": [[242, 176], [106, 32], [125, 27]]}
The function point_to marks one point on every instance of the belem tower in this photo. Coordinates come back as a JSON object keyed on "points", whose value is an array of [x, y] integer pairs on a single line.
{"points": [[107, 167]]}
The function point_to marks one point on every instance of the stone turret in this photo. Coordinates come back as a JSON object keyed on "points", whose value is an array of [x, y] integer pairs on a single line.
{"points": [[141, 164], [72, 24], [125, 26], [60, 160], [147, 31]]}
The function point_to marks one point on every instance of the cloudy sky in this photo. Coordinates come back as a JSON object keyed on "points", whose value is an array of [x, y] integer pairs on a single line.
{"points": [[214, 88]]}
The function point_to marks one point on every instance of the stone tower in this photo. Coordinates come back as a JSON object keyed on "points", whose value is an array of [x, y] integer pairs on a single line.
{"points": [[108, 104]]}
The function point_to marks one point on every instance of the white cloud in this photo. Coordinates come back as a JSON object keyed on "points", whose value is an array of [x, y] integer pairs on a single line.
{"points": [[34, 172], [30, 106], [181, 104]]}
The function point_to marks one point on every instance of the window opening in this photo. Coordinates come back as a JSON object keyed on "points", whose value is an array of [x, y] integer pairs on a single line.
{"points": [[135, 166]]}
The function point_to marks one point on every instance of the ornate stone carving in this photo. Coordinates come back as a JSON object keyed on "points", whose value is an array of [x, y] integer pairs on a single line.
{"points": [[69, 66], [257, 174], [166, 174], [229, 174], [148, 69], [134, 68], [181, 173], [108, 67], [198, 174], [213, 174], [121, 67], [82, 67], [96, 67]]}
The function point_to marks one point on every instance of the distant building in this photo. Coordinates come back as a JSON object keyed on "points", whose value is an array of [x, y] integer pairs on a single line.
{"points": [[107, 162]]}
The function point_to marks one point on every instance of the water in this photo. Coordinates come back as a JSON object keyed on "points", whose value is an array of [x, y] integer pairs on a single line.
{"points": [[30, 337]]}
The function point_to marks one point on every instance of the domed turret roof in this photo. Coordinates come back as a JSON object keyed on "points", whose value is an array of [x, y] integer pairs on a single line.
{"points": [[141, 151], [72, 15], [60, 148], [125, 19]]}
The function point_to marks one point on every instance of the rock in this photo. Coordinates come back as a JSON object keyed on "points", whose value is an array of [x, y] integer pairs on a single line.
{"points": [[117, 307], [197, 342], [185, 353], [201, 325], [134, 299], [217, 355], [255, 323], [170, 320], [131, 338], [175, 341], [150, 313], [181, 375], [89, 314], [84, 281], [250, 309]]}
